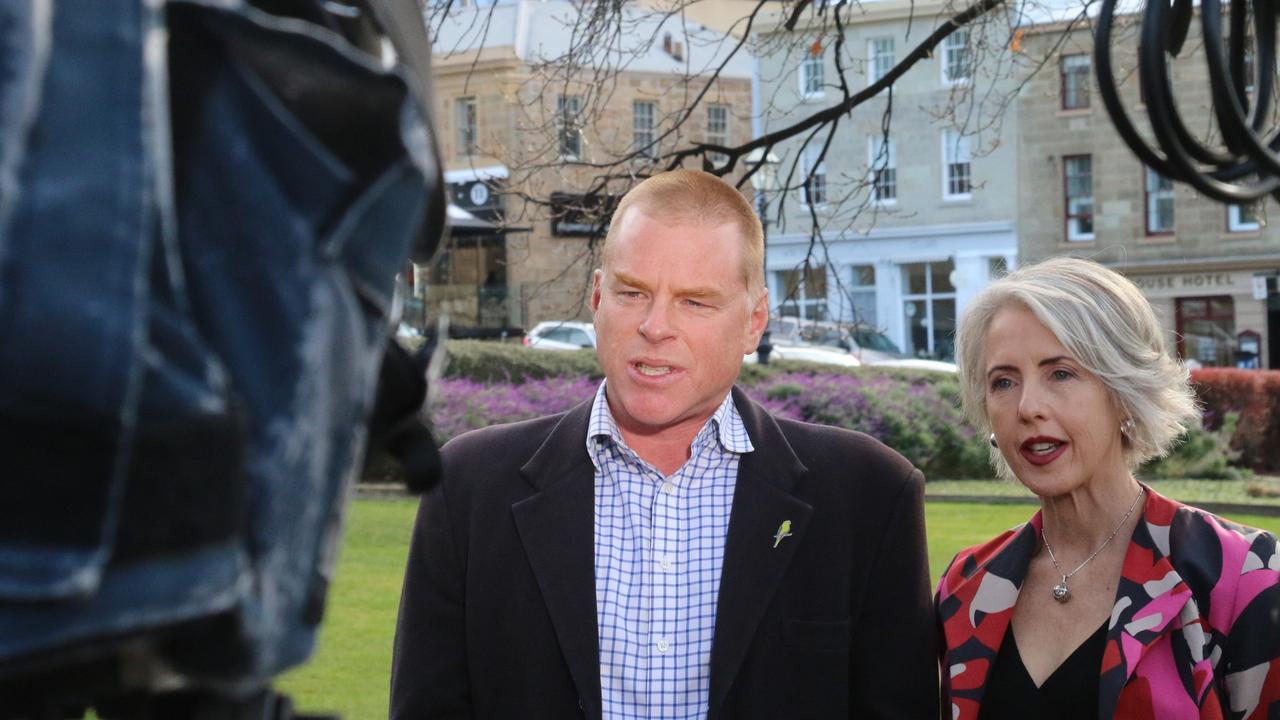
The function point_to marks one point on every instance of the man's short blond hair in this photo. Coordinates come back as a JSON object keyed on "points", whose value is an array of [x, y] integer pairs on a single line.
{"points": [[694, 197]]}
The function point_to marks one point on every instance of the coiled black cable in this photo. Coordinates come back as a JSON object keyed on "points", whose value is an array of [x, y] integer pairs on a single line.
{"points": [[1247, 165]]}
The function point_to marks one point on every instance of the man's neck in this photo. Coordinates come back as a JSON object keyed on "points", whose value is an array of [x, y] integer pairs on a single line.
{"points": [[666, 450]]}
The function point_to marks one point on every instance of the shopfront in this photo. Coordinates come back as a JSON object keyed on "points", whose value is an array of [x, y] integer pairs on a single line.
{"points": [[1217, 318], [911, 283]]}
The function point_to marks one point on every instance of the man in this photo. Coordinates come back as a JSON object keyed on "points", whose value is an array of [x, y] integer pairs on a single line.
{"points": [[669, 550]]}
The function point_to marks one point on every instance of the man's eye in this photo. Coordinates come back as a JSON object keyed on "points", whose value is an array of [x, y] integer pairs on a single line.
{"points": [[695, 304]]}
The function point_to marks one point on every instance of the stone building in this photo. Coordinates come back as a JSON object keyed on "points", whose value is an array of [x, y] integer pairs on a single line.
{"points": [[913, 227], [514, 126], [1208, 269]]}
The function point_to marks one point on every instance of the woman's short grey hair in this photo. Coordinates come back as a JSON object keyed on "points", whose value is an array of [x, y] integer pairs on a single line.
{"points": [[1104, 321]]}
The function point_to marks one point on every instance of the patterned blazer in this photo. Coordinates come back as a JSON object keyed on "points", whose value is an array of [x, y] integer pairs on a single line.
{"points": [[1194, 633]]}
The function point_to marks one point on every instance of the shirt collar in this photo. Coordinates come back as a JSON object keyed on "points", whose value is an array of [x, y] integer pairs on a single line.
{"points": [[725, 424]]}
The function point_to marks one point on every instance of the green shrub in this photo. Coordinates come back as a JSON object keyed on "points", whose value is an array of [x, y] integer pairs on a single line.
{"points": [[1201, 453], [508, 362]]}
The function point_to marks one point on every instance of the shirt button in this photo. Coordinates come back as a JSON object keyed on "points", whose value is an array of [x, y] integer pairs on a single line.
{"points": [[664, 645], [668, 488], [665, 562]]}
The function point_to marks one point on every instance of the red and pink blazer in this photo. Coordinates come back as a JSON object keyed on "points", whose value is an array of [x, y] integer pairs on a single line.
{"points": [[1194, 632]]}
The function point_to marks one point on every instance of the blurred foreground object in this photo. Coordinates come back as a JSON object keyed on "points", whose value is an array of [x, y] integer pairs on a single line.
{"points": [[1244, 163], [203, 207]]}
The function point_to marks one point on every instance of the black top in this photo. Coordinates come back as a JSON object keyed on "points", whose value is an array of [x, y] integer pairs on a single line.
{"points": [[1069, 693]]}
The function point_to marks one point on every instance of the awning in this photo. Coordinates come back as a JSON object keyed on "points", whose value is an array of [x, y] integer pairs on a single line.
{"points": [[492, 172]]}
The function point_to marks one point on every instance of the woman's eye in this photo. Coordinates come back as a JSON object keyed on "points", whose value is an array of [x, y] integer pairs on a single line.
{"points": [[1062, 374], [1001, 384]]}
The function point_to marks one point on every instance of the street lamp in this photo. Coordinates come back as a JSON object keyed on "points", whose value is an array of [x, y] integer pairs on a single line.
{"points": [[764, 181]]}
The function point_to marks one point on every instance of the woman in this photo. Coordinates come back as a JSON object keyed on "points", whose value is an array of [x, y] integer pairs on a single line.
{"points": [[1112, 601]]}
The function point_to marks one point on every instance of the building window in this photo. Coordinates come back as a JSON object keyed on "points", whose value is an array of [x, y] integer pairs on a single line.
{"points": [[466, 125], [880, 58], [643, 113], [957, 59], [1077, 181], [862, 294], [1207, 330], [1159, 192], [718, 131], [884, 169], [812, 84], [1075, 81], [815, 177], [804, 292], [930, 309], [568, 117], [997, 267], [1244, 217], [957, 165]]}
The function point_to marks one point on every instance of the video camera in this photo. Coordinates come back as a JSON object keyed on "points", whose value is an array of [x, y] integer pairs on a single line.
{"points": [[203, 208]]}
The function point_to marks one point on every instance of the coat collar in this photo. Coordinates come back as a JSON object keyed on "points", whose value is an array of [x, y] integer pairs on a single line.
{"points": [[557, 530], [978, 592]]}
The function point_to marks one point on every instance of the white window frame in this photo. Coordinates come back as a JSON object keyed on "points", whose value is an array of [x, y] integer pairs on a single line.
{"points": [[929, 297], [466, 118], [956, 51], [1080, 67], [1236, 224], [807, 307], [856, 288], [889, 166], [819, 179], [1153, 193], [644, 115], [812, 76], [880, 59], [718, 131], [566, 104], [1073, 203], [953, 140]]}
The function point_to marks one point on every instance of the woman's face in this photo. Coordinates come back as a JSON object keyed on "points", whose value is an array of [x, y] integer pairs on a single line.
{"points": [[1054, 421]]}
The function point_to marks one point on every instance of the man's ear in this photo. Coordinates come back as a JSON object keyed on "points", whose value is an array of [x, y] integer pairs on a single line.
{"points": [[597, 281], [758, 321]]}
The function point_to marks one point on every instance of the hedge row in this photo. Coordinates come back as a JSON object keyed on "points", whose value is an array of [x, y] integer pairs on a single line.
{"points": [[912, 411], [1252, 395]]}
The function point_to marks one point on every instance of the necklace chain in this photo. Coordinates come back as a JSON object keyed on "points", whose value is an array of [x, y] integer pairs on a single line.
{"points": [[1061, 592]]}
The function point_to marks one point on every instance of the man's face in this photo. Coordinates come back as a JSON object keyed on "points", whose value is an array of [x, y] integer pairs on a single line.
{"points": [[673, 319]]}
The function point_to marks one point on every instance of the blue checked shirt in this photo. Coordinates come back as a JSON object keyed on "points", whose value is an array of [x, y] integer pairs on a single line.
{"points": [[659, 550]]}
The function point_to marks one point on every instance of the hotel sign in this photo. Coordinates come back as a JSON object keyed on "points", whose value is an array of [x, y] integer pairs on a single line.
{"points": [[1192, 284]]}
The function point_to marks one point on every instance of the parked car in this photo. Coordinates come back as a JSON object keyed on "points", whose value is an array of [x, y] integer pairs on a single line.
{"points": [[869, 345], [561, 335]]}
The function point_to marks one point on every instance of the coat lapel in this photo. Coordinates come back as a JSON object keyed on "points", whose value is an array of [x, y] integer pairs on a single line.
{"points": [[975, 606], [1150, 597], [754, 560], [556, 528]]}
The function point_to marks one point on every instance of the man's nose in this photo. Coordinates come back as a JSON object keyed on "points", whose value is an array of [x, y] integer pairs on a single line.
{"points": [[656, 325]]}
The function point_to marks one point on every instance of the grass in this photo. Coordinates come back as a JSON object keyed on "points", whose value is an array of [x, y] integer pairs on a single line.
{"points": [[350, 671], [1189, 491]]}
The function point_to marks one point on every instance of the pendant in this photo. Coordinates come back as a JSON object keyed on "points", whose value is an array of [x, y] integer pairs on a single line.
{"points": [[1061, 592]]}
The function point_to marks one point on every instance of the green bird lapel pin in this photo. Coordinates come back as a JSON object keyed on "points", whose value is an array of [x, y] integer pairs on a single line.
{"points": [[784, 531]]}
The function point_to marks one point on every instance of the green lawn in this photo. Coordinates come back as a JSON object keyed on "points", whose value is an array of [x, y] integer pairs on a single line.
{"points": [[349, 673], [1189, 491]]}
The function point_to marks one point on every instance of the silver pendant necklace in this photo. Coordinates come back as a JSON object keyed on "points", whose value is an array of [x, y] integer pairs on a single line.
{"points": [[1060, 591]]}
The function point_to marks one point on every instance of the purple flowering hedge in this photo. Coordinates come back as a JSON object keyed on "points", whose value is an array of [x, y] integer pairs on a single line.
{"points": [[914, 412]]}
